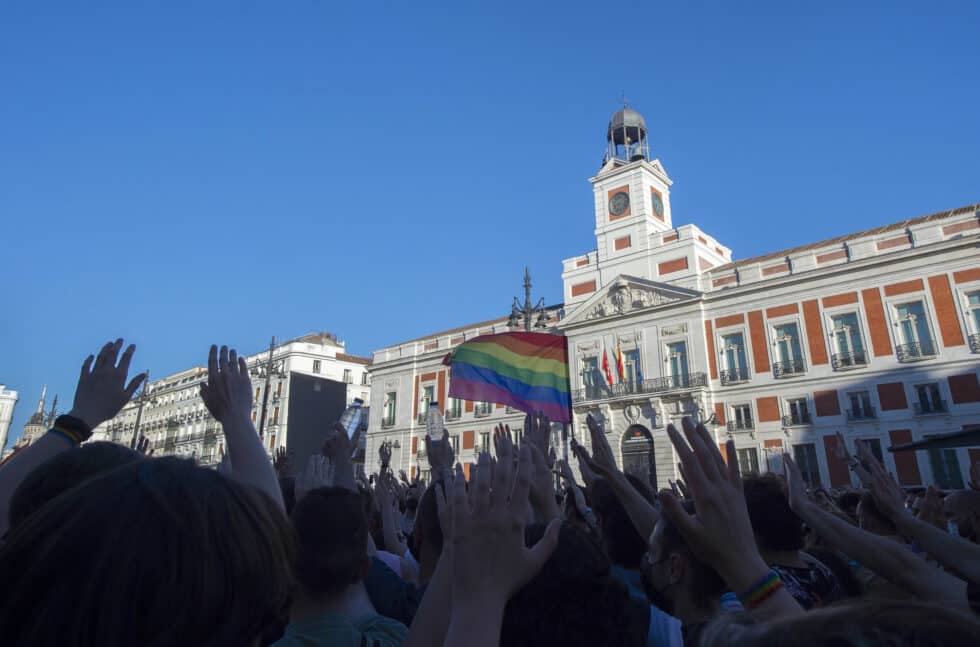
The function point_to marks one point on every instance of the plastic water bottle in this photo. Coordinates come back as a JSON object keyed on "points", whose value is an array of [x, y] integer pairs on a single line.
{"points": [[352, 417], [433, 421]]}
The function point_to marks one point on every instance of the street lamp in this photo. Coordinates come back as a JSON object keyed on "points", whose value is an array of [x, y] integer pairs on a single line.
{"points": [[267, 369], [523, 314]]}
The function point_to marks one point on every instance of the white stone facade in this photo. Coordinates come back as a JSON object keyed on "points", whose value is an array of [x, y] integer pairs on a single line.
{"points": [[176, 421], [874, 334], [8, 400]]}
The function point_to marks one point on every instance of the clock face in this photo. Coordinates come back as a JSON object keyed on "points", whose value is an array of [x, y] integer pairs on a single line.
{"points": [[619, 203], [658, 204]]}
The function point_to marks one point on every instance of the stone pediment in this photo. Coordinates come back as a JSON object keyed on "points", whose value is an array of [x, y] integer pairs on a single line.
{"points": [[626, 295]]}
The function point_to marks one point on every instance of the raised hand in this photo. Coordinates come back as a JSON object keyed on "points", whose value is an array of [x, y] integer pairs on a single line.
{"points": [[316, 474], [888, 496], [603, 460], [537, 431], [338, 446], [931, 510], [542, 490], [795, 486], [440, 456], [102, 390], [565, 471], [490, 560], [228, 391], [585, 465], [281, 462], [720, 534]]}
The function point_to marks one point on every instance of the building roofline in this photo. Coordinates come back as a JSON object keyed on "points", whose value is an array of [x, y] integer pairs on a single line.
{"points": [[356, 359], [904, 224]]}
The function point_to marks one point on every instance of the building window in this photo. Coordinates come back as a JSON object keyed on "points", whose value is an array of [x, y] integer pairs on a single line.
{"points": [[914, 337], [483, 409], [735, 366], [592, 379], [741, 418], [316, 366], [348, 376], [485, 441], [928, 400], [279, 390], [973, 315], [945, 468], [258, 392], [272, 442], [275, 416], [428, 397], [799, 413], [388, 419], [789, 353], [748, 460], [454, 439], [364, 378], [454, 409], [861, 408], [806, 457], [848, 345], [677, 364]]}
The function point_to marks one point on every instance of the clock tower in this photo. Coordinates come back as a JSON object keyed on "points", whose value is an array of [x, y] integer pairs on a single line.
{"points": [[634, 230]]}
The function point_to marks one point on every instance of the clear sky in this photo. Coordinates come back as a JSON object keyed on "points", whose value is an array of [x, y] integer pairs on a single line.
{"points": [[178, 173]]}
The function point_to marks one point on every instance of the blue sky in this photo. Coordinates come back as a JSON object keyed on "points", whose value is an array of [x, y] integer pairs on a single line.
{"points": [[178, 173]]}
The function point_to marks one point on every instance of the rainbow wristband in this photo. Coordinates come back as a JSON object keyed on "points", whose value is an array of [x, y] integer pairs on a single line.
{"points": [[761, 590], [68, 434]]}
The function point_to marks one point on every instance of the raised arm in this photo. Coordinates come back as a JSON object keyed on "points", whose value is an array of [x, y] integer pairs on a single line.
{"points": [[228, 396], [641, 512], [101, 393], [720, 533], [885, 557]]}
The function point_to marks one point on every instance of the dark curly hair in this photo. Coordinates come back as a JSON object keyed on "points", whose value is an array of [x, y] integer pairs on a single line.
{"points": [[775, 525]]}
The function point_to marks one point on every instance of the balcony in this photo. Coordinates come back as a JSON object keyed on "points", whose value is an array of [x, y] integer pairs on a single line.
{"points": [[733, 375], [665, 384], [739, 425], [864, 413], [420, 419], [930, 408], [844, 361], [454, 414], [788, 369], [797, 420], [387, 422], [482, 411], [915, 351], [974, 342]]}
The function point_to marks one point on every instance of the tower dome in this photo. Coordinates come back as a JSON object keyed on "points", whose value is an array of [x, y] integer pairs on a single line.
{"points": [[626, 137]]}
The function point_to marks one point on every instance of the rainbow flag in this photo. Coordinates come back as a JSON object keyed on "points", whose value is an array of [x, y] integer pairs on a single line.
{"points": [[524, 370]]}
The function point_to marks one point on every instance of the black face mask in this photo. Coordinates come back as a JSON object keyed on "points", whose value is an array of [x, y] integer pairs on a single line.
{"points": [[657, 597]]}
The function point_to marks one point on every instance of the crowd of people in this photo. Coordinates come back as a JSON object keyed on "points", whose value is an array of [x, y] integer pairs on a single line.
{"points": [[110, 546]]}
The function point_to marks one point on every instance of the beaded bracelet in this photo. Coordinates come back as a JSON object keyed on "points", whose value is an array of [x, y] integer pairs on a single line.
{"points": [[761, 590]]}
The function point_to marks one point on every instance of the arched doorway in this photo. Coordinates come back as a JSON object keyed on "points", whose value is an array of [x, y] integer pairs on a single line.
{"points": [[637, 449]]}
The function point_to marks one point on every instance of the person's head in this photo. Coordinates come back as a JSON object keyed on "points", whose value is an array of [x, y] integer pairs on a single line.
{"points": [[331, 531], [64, 471], [775, 525], [622, 542], [158, 552], [848, 503], [963, 513], [673, 576], [426, 538], [871, 519], [859, 623], [574, 600]]}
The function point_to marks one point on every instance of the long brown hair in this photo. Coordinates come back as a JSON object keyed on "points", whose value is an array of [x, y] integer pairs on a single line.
{"points": [[156, 552]]}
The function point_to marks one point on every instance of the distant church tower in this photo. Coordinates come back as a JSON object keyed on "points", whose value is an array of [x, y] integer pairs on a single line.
{"points": [[37, 425]]}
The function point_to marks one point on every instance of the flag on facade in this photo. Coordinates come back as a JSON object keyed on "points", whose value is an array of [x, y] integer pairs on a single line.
{"points": [[636, 368], [524, 370], [605, 366], [620, 366]]}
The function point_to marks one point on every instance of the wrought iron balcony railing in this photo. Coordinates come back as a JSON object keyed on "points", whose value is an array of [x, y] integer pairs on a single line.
{"points": [[788, 369], [664, 384], [915, 351], [848, 360], [864, 413], [928, 408], [740, 425], [733, 375], [796, 420]]}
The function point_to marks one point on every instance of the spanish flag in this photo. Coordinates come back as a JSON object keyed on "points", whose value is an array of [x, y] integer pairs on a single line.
{"points": [[620, 366]]}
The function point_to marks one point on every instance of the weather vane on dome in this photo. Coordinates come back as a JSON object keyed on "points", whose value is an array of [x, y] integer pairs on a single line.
{"points": [[625, 105]]}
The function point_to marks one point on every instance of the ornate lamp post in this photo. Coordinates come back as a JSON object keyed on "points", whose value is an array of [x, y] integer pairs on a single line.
{"points": [[267, 369], [523, 314]]}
